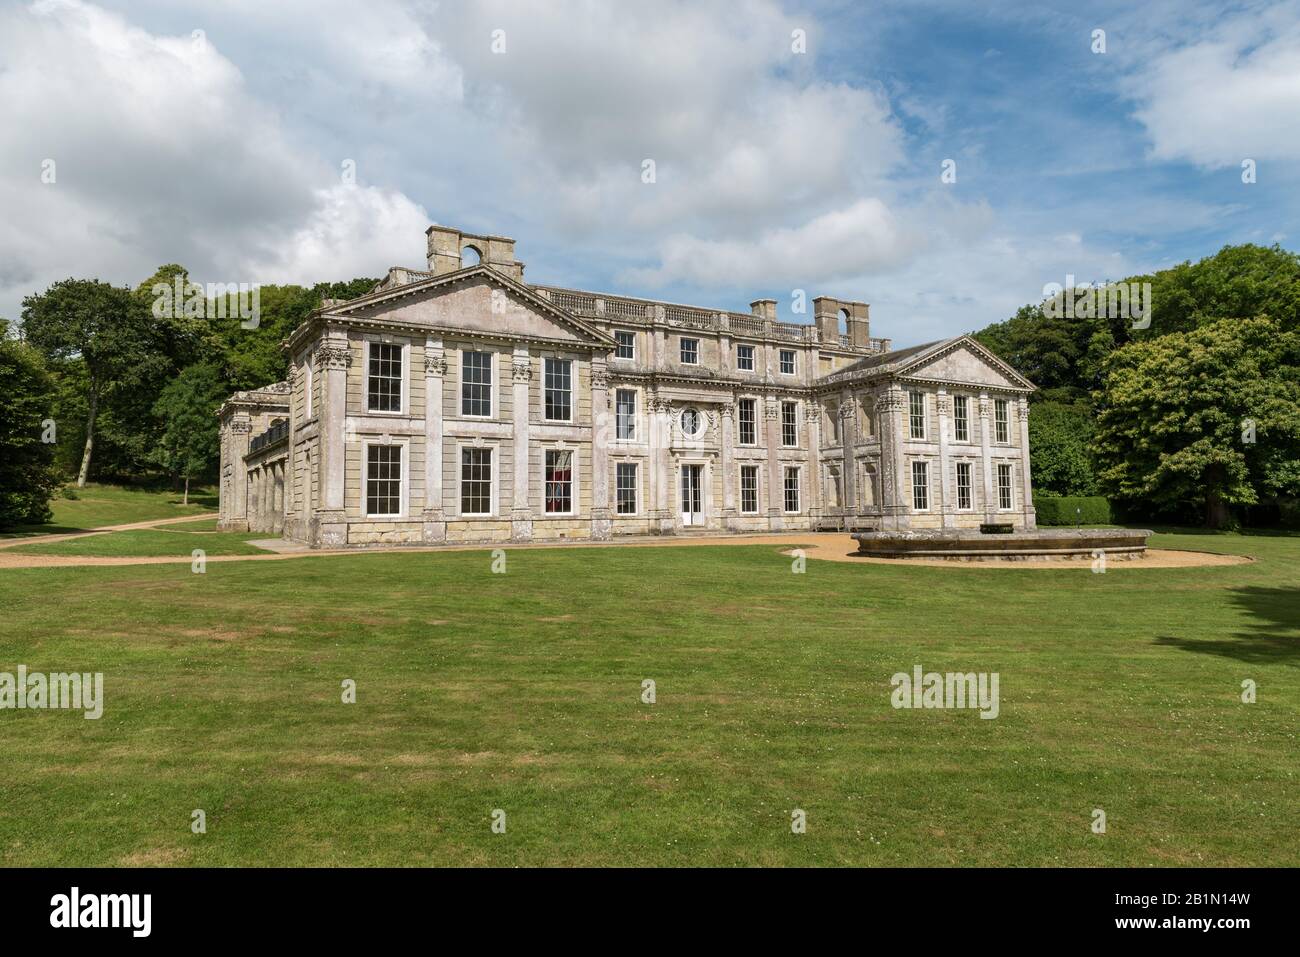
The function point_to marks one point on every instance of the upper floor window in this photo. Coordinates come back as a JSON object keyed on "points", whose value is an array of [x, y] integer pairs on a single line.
{"points": [[559, 389], [384, 378], [916, 414], [787, 362], [745, 358], [747, 418], [1000, 422], [626, 344], [789, 424], [625, 414], [690, 352], [476, 384], [961, 418]]}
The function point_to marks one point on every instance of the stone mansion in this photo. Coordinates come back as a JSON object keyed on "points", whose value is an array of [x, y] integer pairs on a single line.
{"points": [[459, 403]]}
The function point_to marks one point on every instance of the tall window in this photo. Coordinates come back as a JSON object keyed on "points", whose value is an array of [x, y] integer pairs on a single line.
{"points": [[748, 426], [787, 361], [384, 378], [916, 414], [559, 389], [559, 481], [745, 358], [625, 414], [961, 418], [626, 344], [690, 351], [383, 480], [476, 481], [1000, 420], [920, 486], [625, 487], [789, 424], [1004, 486], [963, 485], [791, 489], [749, 489], [309, 374], [476, 384]]}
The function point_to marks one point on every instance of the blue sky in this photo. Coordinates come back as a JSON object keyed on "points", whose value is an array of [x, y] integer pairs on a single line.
{"points": [[215, 134]]}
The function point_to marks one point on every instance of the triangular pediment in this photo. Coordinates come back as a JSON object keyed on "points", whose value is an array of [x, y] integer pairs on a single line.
{"points": [[962, 360], [476, 300]]}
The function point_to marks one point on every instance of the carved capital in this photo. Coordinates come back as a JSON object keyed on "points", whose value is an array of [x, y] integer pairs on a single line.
{"points": [[522, 371], [727, 410], [435, 364], [331, 356], [943, 403], [846, 410], [986, 407], [241, 426], [599, 379], [1024, 410]]}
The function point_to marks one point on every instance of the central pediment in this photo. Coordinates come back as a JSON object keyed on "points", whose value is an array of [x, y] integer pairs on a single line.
{"points": [[476, 301]]}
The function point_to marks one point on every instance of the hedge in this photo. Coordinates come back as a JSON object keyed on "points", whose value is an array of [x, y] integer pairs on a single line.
{"points": [[1061, 510]]}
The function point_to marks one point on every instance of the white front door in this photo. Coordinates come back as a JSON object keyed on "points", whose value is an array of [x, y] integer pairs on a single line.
{"points": [[692, 495]]}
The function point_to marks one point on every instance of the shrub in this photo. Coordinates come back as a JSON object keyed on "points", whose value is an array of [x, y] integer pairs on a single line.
{"points": [[1072, 509]]}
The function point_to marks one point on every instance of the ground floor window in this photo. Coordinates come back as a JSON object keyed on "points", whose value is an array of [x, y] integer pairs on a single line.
{"points": [[920, 486], [1004, 486], [749, 489], [559, 481], [963, 485], [792, 489], [475, 481], [383, 480], [625, 487]]}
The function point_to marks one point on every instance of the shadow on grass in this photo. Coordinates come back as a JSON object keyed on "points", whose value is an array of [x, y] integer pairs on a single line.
{"points": [[1273, 634]]}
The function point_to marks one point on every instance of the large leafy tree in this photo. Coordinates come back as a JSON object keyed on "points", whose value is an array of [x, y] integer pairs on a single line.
{"points": [[107, 330], [28, 476], [1059, 436], [1209, 418], [188, 435]]}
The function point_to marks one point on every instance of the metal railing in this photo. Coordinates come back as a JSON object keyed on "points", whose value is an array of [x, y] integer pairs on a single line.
{"points": [[278, 432]]}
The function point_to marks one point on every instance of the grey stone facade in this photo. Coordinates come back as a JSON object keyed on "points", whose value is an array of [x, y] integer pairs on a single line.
{"points": [[458, 403]]}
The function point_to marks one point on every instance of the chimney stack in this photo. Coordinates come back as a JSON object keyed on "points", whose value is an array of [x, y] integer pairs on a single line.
{"points": [[764, 309]]}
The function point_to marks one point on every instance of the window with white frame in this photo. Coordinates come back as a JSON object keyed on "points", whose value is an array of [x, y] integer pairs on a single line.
{"points": [[626, 344], [745, 358], [625, 414], [961, 418], [746, 415], [786, 359], [1000, 423], [916, 414], [690, 351], [625, 487], [1004, 487], [309, 375], [558, 401], [789, 424], [963, 485], [384, 377], [559, 481], [749, 489], [383, 479], [920, 486], [792, 489], [476, 384], [476, 481]]}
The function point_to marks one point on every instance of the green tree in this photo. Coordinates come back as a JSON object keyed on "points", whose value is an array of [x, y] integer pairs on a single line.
{"points": [[188, 434], [1209, 417], [28, 476], [103, 326], [1060, 458]]}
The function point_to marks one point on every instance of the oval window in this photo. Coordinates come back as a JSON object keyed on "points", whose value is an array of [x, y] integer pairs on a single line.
{"points": [[692, 422]]}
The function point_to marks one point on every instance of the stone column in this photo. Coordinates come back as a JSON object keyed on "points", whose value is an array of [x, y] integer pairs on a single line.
{"points": [[943, 403], [332, 360], [812, 418], [1027, 491], [894, 505], [986, 452], [233, 471], [730, 478], [661, 518], [848, 447], [521, 515], [435, 369], [602, 525], [775, 471]]}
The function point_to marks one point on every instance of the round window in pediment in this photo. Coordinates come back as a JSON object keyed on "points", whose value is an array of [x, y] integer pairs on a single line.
{"points": [[692, 423]]}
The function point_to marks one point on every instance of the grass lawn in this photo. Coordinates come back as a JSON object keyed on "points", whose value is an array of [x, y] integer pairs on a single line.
{"points": [[98, 505], [521, 691], [170, 540]]}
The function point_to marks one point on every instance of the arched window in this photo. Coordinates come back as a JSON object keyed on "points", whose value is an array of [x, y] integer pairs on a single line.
{"points": [[844, 322], [470, 255]]}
